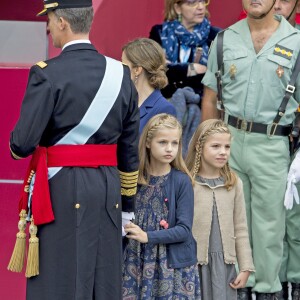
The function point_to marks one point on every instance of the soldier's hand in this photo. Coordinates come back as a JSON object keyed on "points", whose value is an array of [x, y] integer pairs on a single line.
{"points": [[126, 218], [200, 69]]}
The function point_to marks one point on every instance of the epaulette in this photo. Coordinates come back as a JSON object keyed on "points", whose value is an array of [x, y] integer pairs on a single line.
{"points": [[41, 64]]}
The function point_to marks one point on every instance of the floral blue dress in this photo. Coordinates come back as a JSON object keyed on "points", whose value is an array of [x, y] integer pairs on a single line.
{"points": [[145, 272]]}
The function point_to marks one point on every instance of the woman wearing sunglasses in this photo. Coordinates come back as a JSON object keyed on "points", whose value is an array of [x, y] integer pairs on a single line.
{"points": [[185, 36]]}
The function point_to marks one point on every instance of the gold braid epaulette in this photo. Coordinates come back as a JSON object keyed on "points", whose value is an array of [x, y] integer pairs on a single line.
{"points": [[41, 64], [128, 183]]}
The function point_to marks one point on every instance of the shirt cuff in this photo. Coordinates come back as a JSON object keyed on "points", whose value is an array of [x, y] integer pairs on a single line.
{"points": [[127, 215]]}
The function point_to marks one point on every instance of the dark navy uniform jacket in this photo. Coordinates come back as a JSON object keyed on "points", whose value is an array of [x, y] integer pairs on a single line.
{"points": [[57, 98], [80, 252]]}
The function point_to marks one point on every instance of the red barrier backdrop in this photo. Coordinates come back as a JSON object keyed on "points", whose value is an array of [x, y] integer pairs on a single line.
{"points": [[13, 83]]}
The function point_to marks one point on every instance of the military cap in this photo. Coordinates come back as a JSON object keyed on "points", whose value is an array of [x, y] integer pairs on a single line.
{"points": [[56, 4]]}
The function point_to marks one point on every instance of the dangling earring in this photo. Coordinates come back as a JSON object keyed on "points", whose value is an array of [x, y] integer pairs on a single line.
{"points": [[135, 79], [179, 18]]}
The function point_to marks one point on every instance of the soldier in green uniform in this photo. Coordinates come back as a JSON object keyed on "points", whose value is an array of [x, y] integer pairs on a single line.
{"points": [[290, 267], [288, 9], [259, 54]]}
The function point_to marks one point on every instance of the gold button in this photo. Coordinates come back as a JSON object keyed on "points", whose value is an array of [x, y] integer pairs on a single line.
{"points": [[117, 205], [77, 205]]}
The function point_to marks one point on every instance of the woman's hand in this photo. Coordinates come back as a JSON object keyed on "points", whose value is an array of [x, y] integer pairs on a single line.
{"points": [[195, 69], [200, 69], [136, 233], [240, 280]]}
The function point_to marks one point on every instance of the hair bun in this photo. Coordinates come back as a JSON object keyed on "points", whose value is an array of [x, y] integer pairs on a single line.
{"points": [[158, 79]]}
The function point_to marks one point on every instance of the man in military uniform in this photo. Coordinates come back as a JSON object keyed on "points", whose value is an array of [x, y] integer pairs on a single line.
{"points": [[289, 10], [259, 54], [80, 115], [290, 267]]}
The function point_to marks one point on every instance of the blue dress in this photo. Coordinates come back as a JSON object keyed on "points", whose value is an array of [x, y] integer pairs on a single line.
{"points": [[145, 272]]}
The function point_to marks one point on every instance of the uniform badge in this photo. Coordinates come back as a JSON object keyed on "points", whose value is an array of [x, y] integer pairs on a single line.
{"points": [[41, 64], [232, 71], [279, 71], [283, 52]]}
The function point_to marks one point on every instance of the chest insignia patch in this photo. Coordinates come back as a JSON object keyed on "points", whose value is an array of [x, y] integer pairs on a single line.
{"points": [[283, 52]]}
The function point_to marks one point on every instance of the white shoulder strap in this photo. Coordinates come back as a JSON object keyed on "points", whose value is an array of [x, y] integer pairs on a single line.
{"points": [[98, 110]]}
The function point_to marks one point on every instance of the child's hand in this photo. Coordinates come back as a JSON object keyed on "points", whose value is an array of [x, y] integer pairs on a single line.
{"points": [[240, 280], [136, 233]]}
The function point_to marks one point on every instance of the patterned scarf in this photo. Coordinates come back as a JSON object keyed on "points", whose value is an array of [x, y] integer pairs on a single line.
{"points": [[174, 34]]}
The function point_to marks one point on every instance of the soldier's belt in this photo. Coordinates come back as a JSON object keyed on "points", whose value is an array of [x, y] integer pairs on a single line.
{"points": [[249, 126]]}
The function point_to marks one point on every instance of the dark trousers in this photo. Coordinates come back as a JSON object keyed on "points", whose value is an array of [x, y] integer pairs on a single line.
{"points": [[80, 252]]}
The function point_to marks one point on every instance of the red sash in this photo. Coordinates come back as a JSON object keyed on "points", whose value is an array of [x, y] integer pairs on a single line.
{"points": [[91, 156]]}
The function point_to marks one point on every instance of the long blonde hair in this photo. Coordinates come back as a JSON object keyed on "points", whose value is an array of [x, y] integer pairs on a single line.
{"points": [[193, 159], [170, 12], [156, 123]]}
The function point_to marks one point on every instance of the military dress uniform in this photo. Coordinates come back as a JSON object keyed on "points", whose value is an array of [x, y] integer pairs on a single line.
{"points": [[253, 88], [81, 97]]}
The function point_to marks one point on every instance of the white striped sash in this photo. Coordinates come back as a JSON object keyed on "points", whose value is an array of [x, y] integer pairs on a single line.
{"points": [[98, 110]]}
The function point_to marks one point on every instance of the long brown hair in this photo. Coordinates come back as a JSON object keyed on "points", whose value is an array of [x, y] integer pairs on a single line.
{"points": [[156, 123], [193, 159]]}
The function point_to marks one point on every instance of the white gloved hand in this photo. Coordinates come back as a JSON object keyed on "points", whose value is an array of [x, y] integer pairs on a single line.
{"points": [[293, 177], [126, 218]]}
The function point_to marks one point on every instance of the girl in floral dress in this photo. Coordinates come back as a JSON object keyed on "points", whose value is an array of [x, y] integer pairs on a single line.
{"points": [[160, 258]]}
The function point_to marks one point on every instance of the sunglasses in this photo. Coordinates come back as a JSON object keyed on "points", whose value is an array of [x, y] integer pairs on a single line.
{"points": [[194, 3]]}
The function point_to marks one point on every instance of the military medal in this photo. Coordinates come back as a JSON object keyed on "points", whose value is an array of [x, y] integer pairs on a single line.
{"points": [[279, 71], [232, 71]]}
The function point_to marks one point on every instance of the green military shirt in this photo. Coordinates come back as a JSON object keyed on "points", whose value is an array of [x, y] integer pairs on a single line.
{"points": [[252, 89]]}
